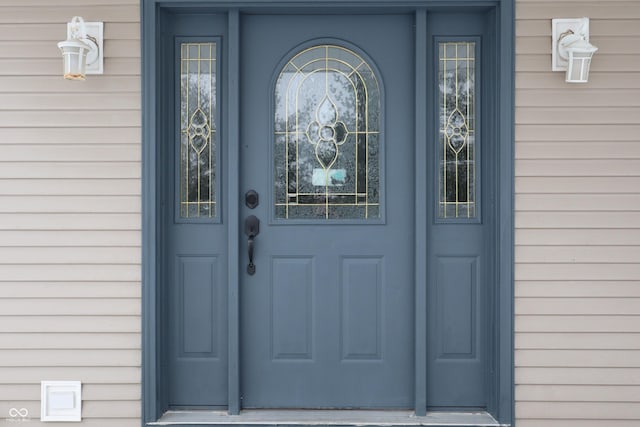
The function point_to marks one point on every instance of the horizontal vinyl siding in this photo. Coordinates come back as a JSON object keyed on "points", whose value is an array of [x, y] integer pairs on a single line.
{"points": [[577, 343], [70, 217], [70, 213]]}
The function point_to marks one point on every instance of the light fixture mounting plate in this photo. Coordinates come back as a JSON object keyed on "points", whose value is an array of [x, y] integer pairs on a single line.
{"points": [[559, 27], [95, 37]]}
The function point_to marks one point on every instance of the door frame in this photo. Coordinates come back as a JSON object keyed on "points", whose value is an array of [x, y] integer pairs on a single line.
{"points": [[501, 13]]}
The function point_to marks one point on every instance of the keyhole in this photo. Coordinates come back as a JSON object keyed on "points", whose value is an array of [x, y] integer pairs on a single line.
{"points": [[251, 199]]}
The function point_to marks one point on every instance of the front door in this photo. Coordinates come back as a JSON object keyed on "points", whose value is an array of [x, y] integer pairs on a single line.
{"points": [[325, 212], [327, 144]]}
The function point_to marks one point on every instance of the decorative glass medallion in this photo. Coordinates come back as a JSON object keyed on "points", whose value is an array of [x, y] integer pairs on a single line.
{"points": [[457, 177], [198, 137], [327, 136]]}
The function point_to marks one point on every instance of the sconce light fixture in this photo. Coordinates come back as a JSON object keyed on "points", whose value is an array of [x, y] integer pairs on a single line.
{"points": [[571, 50], [82, 52]]}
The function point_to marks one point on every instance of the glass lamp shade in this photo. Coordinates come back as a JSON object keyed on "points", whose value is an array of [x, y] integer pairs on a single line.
{"points": [[74, 57], [578, 64], [578, 53]]}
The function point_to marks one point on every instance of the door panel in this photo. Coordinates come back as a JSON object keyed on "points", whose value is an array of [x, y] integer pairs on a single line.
{"points": [[460, 254], [194, 239], [457, 318], [327, 319], [291, 302]]}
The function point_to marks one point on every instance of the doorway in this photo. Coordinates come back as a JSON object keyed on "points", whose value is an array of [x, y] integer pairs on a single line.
{"points": [[319, 244]]}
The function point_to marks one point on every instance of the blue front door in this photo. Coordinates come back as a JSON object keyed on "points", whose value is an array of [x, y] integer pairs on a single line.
{"points": [[328, 247], [326, 142]]}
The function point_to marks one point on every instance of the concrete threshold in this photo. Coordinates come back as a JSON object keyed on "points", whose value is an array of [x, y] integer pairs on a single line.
{"points": [[321, 417]]}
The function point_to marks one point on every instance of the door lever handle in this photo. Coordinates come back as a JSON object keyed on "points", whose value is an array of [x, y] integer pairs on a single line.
{"points": [[251, 229], [251, 267]]}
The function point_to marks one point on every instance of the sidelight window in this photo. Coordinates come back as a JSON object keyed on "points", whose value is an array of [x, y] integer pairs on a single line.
{"points": [[457, 117], [198, 130]]}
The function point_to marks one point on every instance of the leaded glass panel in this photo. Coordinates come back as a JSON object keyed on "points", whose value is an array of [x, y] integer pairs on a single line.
{"points": [[198, 136], [327, 136], [457, 176]]}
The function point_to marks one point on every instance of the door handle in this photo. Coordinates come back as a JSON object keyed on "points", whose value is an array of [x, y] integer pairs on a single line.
{"points": [[251, 229]]}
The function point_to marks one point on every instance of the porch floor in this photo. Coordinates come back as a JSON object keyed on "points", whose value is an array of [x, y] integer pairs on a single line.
{"points": [[266, 417]]}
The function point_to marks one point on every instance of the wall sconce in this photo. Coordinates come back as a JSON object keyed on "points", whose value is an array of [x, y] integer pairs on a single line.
{"points": [[82, 52], [571, 50]]}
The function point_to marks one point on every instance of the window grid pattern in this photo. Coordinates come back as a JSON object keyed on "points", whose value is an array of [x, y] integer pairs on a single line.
{"points": [[327, 117], [457, 116], [198, 135]]}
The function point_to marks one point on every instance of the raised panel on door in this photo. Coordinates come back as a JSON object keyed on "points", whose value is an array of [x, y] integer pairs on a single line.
{"points": [[327, 318]]}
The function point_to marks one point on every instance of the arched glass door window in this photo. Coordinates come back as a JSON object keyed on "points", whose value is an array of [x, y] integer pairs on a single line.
{"points": [[327, 136]]}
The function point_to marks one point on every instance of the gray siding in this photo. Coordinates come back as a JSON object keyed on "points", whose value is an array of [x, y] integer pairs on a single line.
{"points": [[578, 222], [70, 212]]}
